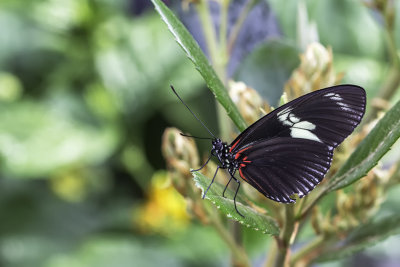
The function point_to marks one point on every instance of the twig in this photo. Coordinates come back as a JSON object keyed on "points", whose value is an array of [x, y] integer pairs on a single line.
{"points": [[307, 250], [238, 252], [286, 237], [239, 23]]}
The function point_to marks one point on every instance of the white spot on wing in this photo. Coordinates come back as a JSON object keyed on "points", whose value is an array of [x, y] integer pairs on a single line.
{"points": [[298, 128], [286, 110], [334, 96], [293, 118], [338, 99], [302, 133], [342, 104], [283, 116], [306, 125]]}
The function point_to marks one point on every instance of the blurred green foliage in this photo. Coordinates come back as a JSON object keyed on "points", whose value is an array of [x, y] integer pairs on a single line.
{"points": [[84, 99], [81, 85]]}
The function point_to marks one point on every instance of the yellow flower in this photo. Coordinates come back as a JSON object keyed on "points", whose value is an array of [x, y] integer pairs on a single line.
{"points": [[165, 209]]}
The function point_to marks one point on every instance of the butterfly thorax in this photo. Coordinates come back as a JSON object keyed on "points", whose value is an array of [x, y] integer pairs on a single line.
{"points": [[227, 159]]}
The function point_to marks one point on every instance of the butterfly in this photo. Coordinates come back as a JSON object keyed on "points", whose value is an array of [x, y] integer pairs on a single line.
{"points": [[289, 150]]}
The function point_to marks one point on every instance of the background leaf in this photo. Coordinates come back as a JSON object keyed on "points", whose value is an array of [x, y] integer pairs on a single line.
{"points": [[60, 134], [268, 67], [84, 100], [252, 218], [365, 236], [330, 29], [123, 65]]}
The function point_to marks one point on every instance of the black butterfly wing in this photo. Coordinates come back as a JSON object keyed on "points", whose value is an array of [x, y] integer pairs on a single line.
{"points": [[283, 166], [327, 116]]}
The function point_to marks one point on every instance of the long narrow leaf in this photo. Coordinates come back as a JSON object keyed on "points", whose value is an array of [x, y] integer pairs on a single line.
{"points": [[252, 218], [369, 151], [365, 236], [196, 55]]}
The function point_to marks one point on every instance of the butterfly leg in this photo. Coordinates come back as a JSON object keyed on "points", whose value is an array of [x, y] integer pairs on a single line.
{"points": [[212, 181], [237, 190], [203, 164], [223, 192]]}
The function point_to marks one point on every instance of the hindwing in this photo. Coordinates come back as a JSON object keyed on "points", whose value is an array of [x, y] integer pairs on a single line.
{"points": [[283, 166]]}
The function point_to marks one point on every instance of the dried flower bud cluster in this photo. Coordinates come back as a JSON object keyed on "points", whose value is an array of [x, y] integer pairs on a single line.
{"points": [[250, 104], [172, 197], [347, 147], [315, 72], [355, 208], [180, 154]]}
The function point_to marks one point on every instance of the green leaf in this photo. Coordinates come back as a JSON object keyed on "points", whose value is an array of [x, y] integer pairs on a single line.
{"points": [[365, 236], [132, 76], [325, 14], [252, 218], [369, 151], [39, 138], [194, 53], [268, 67]]}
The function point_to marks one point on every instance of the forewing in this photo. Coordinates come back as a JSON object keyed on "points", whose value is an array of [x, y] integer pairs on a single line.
{"points": [[327, 116], [283, 166]]}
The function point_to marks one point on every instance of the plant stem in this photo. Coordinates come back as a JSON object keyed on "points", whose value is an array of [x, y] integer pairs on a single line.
{"points": [[213, 47], [223, 55], [215, 85], [392, 82], [208, 29], [219, 60], [238, 252], [302, 254], [300, 207], [286, 237], [239, 23], [310, 204], [389, 15], [272, 254], [225, 125], [386, 92]]}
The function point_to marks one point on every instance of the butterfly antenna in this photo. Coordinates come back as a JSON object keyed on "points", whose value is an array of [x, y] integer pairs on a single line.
{"points": [[173, 89]]}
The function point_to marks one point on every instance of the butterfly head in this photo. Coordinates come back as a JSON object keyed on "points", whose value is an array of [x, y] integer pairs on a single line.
{"points": [[221, 151], [217, 144]]}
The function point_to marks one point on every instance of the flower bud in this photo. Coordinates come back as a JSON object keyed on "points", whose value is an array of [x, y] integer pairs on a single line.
{"points": [[328, 225], [357, 206], [180, 154], [250, 104], [315, 72], [316, 220]]}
